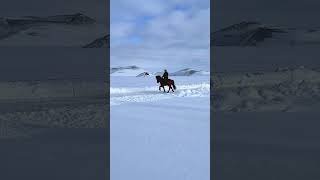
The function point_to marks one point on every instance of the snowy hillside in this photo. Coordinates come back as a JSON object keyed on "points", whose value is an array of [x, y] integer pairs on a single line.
{"points": [[127, 71], [139, 72], [60, 30], [190, 72], [144, 74], [99, 43], [257, 34]]}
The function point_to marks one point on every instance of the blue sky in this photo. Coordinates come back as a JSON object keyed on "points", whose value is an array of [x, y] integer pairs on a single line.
{"points": [[158, 34]]}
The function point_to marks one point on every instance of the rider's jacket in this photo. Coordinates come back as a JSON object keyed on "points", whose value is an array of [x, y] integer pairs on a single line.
{"points": [[165, 75]]}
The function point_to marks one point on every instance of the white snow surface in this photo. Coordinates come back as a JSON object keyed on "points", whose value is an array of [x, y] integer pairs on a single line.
{"points": [[157, 135], [286, 90], [145, 89]]}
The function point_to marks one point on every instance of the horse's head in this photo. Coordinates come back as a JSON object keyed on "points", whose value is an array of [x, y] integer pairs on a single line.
{"points": [[158, 78]]}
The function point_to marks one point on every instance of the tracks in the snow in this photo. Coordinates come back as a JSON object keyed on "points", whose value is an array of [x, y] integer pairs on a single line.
{"points": [[150, 94]]}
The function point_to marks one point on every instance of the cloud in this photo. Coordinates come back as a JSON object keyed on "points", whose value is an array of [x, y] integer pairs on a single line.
{"points": [[182, 28], [162, 33], [121, 29]]}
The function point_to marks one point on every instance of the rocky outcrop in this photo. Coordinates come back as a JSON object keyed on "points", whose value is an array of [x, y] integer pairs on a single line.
{"points": [[103, 42]]}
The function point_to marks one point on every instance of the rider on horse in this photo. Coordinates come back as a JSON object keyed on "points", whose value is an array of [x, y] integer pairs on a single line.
{"points": [[165, 81], [165, 76]]}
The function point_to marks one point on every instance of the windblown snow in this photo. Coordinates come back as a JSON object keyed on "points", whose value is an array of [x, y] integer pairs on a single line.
{"points": [[150, 94], [133, 92]]}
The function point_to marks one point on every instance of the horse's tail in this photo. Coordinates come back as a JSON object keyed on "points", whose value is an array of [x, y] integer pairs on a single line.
{"points": [[174, 86]]}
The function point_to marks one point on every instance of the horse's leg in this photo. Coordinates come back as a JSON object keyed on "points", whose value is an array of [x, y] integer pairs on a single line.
{"points": [[159, 88], [164, 90], [169, 88], [171, 85]]}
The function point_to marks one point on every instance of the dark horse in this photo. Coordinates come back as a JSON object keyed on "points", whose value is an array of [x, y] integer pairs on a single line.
{"points": [[169, 83]]}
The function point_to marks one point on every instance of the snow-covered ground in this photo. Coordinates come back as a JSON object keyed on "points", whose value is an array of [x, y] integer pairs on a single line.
{"points": [[281, 90], [126, 71], [264, 145], [29, 118], [256, 79], [157, 135], [146, 89], [53, 139]]}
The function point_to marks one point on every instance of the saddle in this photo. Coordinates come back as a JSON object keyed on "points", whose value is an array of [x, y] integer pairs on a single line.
{"points": [[165, 81]]}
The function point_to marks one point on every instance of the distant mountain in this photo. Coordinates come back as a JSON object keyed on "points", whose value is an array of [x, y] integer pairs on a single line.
{"points": [[140, 72], [257, 34], [75, 19], [127, 71], [190, 72], [103, 42], [66, 30], [144, 74]]}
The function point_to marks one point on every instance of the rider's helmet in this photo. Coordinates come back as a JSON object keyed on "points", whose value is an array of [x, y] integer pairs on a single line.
{"points": [[165, 70]]}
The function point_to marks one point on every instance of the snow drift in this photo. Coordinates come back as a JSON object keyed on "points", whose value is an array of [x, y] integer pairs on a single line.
{"points": [[151, 94]]}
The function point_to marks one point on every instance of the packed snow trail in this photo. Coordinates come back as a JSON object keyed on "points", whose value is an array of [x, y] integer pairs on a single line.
{"points": [[149, 94]]}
